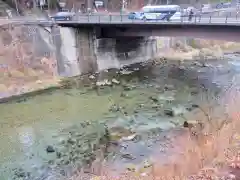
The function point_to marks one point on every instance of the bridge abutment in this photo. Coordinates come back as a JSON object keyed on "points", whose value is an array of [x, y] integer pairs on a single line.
{"points": [[78, 51], [117, 52], [86, 55]]}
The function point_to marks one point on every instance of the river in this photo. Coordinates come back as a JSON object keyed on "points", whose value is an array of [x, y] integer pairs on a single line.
{"points": [[143, 103]]}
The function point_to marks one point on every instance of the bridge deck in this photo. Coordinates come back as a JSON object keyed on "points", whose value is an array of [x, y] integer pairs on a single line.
{"points": [[112, 20]]}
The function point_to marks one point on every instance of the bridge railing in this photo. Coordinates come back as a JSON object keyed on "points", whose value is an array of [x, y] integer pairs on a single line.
{"points": [[96, 18], [124, 19]]}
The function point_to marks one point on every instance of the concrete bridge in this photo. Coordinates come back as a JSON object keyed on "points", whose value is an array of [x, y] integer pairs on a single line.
{"points": [[87, 43], [111, 26], [207, 27]]}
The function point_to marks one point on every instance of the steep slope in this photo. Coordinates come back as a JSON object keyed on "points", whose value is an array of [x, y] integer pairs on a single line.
{"points": [[3, 7]]}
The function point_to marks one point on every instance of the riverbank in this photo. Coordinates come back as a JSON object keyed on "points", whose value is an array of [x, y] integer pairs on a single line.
{"points": [[15, 91], [29, 73], [143, 106], [198, 49]]}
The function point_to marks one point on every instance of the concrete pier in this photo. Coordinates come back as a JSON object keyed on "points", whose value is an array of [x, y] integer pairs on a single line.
{"points": [[79, 51]]}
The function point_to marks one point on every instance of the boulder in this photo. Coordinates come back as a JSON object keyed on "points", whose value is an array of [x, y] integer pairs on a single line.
{"points": [[50, 149]]}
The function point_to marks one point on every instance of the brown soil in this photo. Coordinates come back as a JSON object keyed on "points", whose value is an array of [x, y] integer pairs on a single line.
{"points": [[20, 68]]}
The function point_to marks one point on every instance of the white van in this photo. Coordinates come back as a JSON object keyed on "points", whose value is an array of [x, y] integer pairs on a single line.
{"points": [[162, 12]]}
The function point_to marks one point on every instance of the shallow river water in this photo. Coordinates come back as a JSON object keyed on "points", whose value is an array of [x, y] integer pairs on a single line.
{"points": [[138, 109]]}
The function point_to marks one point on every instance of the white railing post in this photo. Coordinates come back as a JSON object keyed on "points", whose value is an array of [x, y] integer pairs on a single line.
{"points": [[226, 19], [110, 17]]}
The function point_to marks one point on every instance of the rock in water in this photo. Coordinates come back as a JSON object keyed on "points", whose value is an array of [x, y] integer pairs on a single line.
{"points": [[169, 112], [154, 99], [81, 143], [185, 124], [50, 149]]}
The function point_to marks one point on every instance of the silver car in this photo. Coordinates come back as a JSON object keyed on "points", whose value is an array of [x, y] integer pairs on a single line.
{"points": [[63, 16]]}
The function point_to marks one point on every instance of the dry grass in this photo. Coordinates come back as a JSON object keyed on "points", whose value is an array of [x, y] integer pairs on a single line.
{"points": [[21, 67], [198, 49], [207, 152]]}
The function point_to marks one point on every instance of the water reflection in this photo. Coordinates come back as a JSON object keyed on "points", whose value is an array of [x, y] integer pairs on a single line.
{"points": [[26, 137]]}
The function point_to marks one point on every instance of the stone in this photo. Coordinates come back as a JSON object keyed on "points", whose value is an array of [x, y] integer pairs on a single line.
{"points": [[194, 92], [197, 63], [136, 69], [115, 81], [125, 72], [39, 82], [131, 168], [190, 124], [92, 77], [147, 164], [155, 107], [169, 112], [185, 124], [179, 110], [128, 87], [168, 87], [58, 154], [135, 111], [144, 174], [103, 83], [51, 162], [189, 108], [129, 138], [154, 99], [128, 156], [195, 106], [124, 94], [62, 172], [50, 149], [114, 108], [116, 133]]}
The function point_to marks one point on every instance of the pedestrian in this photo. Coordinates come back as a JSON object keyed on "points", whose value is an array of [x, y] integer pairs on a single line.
{"points": [[168, 16], [190, 15]]}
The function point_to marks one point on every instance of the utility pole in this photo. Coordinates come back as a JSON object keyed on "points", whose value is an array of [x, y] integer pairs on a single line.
{"points": [[89, 4], [48, 6], [34, 4], [123, 5], [16, 5]]}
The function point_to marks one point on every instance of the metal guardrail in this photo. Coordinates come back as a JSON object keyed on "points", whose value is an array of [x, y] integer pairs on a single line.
{"points": [[123, 19]]}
